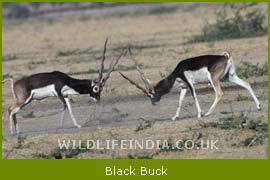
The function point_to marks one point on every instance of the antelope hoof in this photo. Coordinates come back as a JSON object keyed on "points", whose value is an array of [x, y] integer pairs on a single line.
{"points": [[205, 115], [78, 126], [175, 118], [199, 115], [259, 108]]}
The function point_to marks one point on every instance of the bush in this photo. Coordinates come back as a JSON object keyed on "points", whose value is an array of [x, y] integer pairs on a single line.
{"points": [[9, 57], [20, 142], [29, 115], [247, 69], [63, 153], [245, 22], [163, 10], [240, 122], [146, 124], [254, 140]]}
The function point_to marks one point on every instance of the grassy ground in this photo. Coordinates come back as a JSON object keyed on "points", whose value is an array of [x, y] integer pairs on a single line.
{"points": [[73, 45]]}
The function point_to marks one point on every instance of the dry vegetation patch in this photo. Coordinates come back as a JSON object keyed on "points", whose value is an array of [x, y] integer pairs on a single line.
{"points": [[158, 39]]}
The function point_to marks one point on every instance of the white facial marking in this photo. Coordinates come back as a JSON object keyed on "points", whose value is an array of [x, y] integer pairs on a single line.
{"points": [[198, 76], [41, 93], [93, 99], [150, 95], [66, 90]]}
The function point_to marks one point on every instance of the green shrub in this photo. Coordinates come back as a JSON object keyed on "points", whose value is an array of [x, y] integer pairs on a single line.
{"points": [[246, 21], [254, 140], [38, 62], [247, 69], [162, 10], [73, 52], [144, 125], [238, 122], [20, 142], [7, 76], [140, 156], [63, 153], [242, 98], [29, 115], [169, 147], [9, 57], [230, 122]]}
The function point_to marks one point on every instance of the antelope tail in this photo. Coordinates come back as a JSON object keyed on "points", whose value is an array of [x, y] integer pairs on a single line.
{"points": [[12, 86], [230, 68]]}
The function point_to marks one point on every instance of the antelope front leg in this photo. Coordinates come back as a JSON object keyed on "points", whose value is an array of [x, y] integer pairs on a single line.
{"points": [[71, 114], [12, 110], [181, 98], [196, 101], [13, 120]]}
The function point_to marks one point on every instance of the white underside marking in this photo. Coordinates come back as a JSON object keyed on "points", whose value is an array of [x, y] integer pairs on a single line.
{"points": [[229, 64], [198, 76], [66, 90], [179, 84], [41, 93]]}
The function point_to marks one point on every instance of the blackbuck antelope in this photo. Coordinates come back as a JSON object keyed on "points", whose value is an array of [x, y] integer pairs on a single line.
{"points": [[57, 84], [201, 69]]}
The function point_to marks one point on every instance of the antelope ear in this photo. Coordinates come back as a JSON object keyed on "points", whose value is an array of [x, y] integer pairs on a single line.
{"points": [[93, 83]]}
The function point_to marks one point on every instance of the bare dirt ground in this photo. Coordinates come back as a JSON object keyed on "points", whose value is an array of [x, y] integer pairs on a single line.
{"points": [[73, 45]]}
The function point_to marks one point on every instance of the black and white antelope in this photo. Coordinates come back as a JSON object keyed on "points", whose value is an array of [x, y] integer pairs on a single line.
{"points": [[201, 69], [56, 84]]}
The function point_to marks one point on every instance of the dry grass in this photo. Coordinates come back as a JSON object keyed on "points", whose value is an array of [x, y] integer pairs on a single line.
{"points": [[158, 43], [31, 147]]}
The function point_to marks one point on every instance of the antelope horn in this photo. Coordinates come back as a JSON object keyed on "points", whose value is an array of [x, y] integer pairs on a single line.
{"points": [[148, 86], [133, 83], [146, 81], [112, 66], [102, 62]]}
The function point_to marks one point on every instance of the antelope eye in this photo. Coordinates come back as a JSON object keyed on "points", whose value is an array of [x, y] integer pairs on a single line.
{"points": [[96, 89]]}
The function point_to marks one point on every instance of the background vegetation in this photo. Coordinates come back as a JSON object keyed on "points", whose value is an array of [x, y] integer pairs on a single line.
{"points": [[234, 20]]}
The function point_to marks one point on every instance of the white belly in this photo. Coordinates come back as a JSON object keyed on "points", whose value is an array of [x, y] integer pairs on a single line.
{"points": [[198, 76], [41, 93], [179, 83], [66, 90]]}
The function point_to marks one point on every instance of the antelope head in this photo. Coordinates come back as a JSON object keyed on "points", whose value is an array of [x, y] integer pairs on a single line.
{"points": [[149, 90], [98, 84]]}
